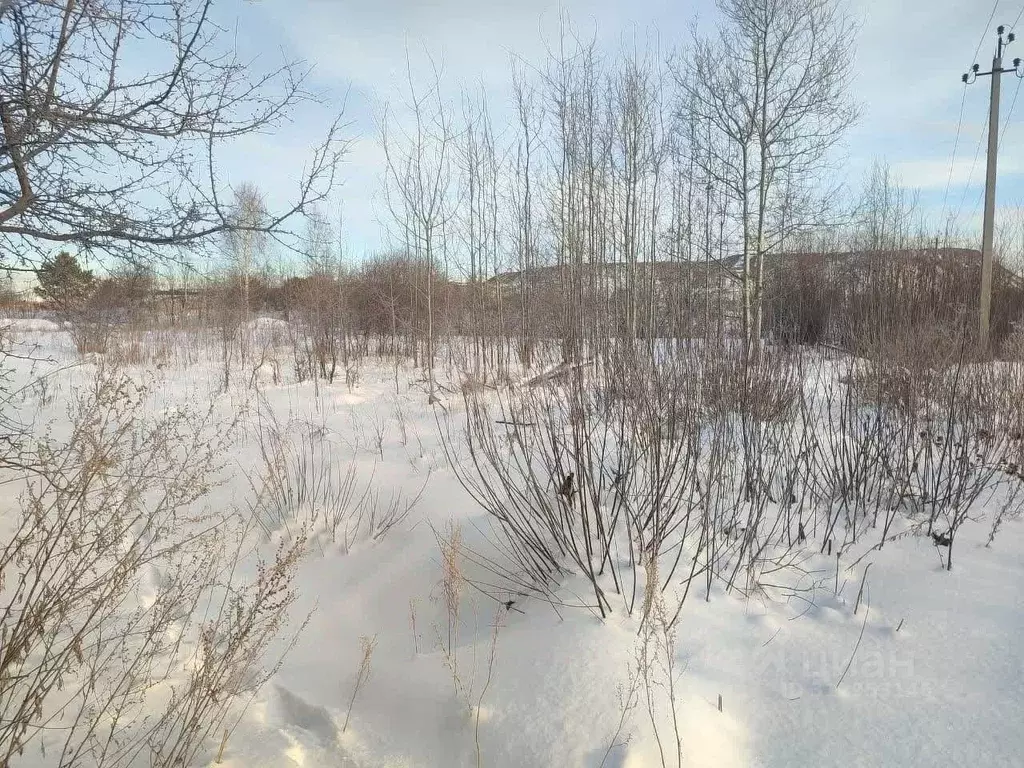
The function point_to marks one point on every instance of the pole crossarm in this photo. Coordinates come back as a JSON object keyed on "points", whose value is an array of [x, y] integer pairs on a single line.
{"points": [[974, 75], [997, 63]]}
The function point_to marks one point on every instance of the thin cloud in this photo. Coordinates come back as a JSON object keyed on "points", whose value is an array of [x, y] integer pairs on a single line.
{"points": [[906, 77]]}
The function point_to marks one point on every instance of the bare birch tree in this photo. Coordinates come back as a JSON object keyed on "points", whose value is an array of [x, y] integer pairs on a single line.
{"points": [[419, 181], [480, 207], [246, 243], [639, 154], [523, 201], [772, 87], [578, 143]]}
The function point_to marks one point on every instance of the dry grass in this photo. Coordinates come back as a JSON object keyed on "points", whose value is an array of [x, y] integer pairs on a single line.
{"points": [[452, 584], [367, 646]]}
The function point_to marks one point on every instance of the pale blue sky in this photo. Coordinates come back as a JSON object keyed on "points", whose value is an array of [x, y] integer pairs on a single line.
{"points": [[906, 79]]}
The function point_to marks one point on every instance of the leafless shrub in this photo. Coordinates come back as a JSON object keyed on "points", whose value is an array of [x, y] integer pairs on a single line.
{"points": [[403, 427], [638, 455], [885, 291], [92, 334], [302, 482], [1013, 346], [378, 516], [322, 343], [575, 468], [267, 358], [43, 389], [959, 454], [927, 449], [118, 596], [1011, 508], [227, 664], [628, 696], [862, 463], [352, 378], [800, 300], [228, 323], [379, 427], [765, 387], [904, 366], [412, 623]]}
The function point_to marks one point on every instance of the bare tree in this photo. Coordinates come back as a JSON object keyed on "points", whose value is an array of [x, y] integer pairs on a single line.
{"points": [[478, 166], [102, 154], [322, 301], [522, 197], [885, 213], [638, 155], [246, 242], [419, 181], [771, 85]]}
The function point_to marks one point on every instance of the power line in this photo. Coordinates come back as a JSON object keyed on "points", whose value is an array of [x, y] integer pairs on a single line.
{"points": [[1002, 133], [1016, 90], [985, 31], [970, 175], [956, 143], [1006, 122], [959, 126], [984, 130]]}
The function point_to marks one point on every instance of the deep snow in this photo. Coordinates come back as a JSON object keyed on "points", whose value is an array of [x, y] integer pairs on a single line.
{"points": [[946, 689]]}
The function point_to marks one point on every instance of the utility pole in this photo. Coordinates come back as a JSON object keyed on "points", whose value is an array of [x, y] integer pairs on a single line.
{"points": [[987, 227]]}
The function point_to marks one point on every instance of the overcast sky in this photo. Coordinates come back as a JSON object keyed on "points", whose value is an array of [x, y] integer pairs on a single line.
{"points": [[907, 68]]}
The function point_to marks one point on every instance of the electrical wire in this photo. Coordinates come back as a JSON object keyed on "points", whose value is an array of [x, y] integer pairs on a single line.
{"points": [[981, 138], [1017, 89], [956, 143], [1006, 121], [1002, 133], [970, 175], [959, 127], [985, 32]]}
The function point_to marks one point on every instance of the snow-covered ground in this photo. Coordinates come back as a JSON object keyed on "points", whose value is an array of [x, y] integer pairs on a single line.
{"points": [[931, 665]]}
